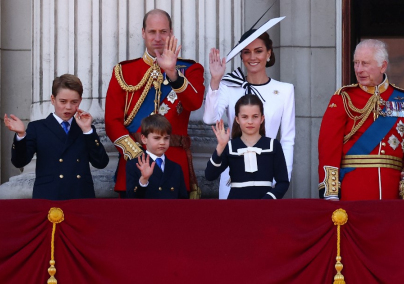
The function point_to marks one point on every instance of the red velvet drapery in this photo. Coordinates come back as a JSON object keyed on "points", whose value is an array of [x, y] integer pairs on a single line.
{"points": [[201, 241]]}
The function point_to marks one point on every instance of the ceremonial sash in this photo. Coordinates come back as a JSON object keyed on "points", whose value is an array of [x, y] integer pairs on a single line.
{"points": [[147, 106], [373, 135]]}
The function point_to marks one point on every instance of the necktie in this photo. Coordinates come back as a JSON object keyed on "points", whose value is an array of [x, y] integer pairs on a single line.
{"points": [[159, 161], [65, 126]]}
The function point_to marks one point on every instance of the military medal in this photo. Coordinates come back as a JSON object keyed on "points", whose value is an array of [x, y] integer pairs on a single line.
{"points": [[165, 82], [393, 142], [172, 96], [163, 109], [400, 128], [179, 108]]}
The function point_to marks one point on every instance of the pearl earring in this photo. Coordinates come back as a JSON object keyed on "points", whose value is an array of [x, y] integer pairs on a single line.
{"points": [[269, 58]]}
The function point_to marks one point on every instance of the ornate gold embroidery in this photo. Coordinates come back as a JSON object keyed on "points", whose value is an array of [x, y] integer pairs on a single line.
{"points": [[130, 148]]}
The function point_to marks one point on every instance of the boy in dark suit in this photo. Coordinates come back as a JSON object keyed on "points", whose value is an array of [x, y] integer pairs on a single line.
{"points": [[65, 143], [146, 180]]}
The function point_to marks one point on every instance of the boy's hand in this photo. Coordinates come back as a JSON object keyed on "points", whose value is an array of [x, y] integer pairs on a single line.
{"points": [[15, 124], [145, 168], [222, 136], [83, 120]]}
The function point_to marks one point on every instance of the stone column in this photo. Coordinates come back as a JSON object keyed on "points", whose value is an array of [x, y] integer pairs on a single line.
{"points": [[87, 38], [15, 73]]}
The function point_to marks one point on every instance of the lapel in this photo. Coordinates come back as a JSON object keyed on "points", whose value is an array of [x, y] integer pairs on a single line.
{"points": [[168, 170], [74, 133], [52, 124]]}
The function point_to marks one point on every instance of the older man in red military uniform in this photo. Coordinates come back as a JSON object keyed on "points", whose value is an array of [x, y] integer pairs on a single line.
{"points": [[157, 83], [361, 136]]}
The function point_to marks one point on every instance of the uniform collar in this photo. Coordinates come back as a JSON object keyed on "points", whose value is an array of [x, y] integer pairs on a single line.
{"points": [[372, 89], [148, 58]]}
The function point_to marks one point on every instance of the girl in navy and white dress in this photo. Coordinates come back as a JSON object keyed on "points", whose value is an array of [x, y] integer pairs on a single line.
{"points": [[277, 97], [254, 160]]}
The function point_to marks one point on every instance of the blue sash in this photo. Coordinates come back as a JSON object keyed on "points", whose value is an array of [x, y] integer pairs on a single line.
{"points": [[373, 135], [147, 106]]}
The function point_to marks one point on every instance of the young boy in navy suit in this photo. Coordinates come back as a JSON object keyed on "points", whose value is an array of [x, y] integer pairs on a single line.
{"points": [[145, 179], [64, 143]]}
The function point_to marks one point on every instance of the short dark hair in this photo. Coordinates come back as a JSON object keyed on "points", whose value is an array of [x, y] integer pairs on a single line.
{"points": [[247, 100], [155, 124], [268, 44], [67, 81], [157, 11]]}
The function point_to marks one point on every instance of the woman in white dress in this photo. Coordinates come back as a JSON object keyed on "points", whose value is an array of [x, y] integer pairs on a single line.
{"points": [[277, 97]]}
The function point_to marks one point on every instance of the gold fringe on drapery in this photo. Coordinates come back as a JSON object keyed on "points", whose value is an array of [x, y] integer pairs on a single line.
{"points": [[339, 217], [55, 216]]}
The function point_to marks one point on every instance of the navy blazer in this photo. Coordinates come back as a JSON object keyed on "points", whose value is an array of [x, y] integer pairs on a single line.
{"points": [[62, 161], [169, 184]]}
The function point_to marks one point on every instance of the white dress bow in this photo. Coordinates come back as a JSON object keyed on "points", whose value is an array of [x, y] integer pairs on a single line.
{"points": [[250, 158]]}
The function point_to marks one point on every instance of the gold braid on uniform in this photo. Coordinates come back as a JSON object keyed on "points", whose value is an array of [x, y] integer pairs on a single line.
{"points": [[152, 76], [363, 113]]}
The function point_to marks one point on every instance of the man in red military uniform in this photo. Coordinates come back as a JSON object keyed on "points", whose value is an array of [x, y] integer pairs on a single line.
{"points": [[158, 83], [361, 136]]}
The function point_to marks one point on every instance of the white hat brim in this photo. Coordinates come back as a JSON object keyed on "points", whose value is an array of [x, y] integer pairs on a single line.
{"points": [[252, 37]]}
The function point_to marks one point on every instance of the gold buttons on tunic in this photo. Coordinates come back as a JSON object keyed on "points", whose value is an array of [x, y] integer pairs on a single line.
{"points": [[98, 144], [61, 160], [160, 188], [172, 189], [78, 176], [78, 160], [135, 189], [382, 151], [61, 176], [383, 144], [96, 141]]}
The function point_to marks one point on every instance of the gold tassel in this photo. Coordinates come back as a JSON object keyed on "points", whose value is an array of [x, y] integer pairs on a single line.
{"points": [[55, 216], [402, 188], [339, 217]]}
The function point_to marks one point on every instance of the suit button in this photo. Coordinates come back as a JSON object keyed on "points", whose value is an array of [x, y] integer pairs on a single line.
{"points": [[61, 176], [61, 160], [172, 189], [382, 151], [160, 188], [78, 176], [78, 160]]}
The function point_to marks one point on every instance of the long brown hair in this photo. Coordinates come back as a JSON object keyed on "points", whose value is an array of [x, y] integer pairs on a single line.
{"points": [[247, 100]]}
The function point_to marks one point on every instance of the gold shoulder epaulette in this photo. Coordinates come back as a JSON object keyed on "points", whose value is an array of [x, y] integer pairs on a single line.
{"points": [[338, 92], [397, 88]]}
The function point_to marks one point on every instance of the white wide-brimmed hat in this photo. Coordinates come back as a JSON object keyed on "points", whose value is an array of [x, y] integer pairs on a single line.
{"points": [[250, 38]]}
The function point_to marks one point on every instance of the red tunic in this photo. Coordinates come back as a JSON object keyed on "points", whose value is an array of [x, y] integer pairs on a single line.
{"points": [[191, 98], [362, 183]]}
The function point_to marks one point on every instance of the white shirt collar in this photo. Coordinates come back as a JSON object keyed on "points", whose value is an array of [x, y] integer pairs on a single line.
{"points": [[59, 120], [154, 157]]}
